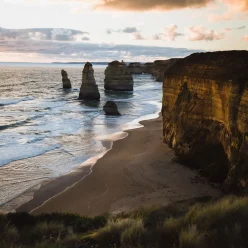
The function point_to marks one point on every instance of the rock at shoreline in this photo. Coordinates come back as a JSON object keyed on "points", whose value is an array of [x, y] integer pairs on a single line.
{"points": [[89, 89], [110, 108], [118, 77], [135, 68], [65, 80], [205, 115]]}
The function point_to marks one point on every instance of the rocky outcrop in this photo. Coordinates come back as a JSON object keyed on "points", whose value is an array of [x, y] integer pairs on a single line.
{"points": [[161, 66], [65, 80], [205, 115], [148, 68], [158, 68], [110, 108], [118, 77], [135, 68], [89, 89]]}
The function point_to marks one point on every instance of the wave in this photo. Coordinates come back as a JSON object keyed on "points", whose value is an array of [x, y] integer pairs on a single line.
{"points": [[20, 123], [4, 102]]}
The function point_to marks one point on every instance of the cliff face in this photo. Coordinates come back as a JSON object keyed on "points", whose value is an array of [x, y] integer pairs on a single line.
{"points": [[158, 68], [161, 66], [205, 115]]}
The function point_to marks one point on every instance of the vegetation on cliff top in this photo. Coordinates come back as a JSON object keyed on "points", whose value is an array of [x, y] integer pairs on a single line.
{"points": [[188, 224]]}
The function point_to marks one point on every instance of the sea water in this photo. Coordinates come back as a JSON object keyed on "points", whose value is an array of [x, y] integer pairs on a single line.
{"points": [[46, 132]]}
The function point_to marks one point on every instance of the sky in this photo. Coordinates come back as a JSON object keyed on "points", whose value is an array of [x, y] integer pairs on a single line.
{"points": [[132, 30]]}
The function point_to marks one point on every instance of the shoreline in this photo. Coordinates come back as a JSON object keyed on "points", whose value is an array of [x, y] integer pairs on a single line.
{"points": [[125, 179]]}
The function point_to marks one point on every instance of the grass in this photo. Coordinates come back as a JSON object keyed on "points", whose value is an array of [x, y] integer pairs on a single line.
{"points": [[196, 223]]}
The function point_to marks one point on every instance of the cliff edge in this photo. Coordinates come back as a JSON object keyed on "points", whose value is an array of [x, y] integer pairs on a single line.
{"points": [[205, 115]]}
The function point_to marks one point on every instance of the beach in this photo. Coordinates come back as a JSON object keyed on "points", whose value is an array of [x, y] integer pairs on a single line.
{"points": [[139, 171]]}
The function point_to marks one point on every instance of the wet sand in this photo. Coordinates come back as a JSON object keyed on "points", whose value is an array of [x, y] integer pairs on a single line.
{"points": [[137, 172]]}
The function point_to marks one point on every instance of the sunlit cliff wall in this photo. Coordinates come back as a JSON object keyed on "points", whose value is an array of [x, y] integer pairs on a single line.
{"points": [[205, 115]]}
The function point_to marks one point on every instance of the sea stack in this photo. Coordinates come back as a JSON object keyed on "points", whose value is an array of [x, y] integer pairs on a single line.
{"points": [[118, 77], [135, 68], [89, 89], [110, 108], [66, 81]]}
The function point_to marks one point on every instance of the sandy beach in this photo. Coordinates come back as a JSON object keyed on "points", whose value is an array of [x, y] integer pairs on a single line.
{"points": [[137, 172]]}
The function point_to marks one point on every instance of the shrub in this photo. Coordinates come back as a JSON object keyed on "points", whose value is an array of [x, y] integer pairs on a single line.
{"points": [[49, 230], [191, 238], [134, 234]]}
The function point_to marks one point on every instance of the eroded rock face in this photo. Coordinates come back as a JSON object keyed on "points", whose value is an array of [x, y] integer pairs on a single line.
{"points": [[89, 89], [161, 66], [110, 108], [118, 77], [205, 115], [135, 68], [65, 80]]}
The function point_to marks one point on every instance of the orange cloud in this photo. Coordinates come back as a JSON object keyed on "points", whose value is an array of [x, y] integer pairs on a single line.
{"points": [[141, 5], [245, 37]]}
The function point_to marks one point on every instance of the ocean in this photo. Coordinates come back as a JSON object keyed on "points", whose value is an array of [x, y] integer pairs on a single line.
{"points": [[46, 132]]}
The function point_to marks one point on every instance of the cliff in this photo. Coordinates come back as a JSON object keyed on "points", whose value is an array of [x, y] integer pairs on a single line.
{"points": [[205, 115], [158, 68]]}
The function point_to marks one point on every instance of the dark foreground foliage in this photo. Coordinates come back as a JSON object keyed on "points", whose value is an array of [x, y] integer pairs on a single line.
{"points": [[197, 223]]}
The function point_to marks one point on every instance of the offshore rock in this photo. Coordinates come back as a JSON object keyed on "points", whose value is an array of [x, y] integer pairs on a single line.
{"points": [[89, 89], [110, 108], [118, 77], [65, 80], [135, 68], [205, 115]]}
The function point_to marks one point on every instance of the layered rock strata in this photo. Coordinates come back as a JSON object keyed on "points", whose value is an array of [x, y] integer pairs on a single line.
{"points": [[89, 89], [110, 108], [205, 115], [135, 68], [65, 80], [118, 77]]}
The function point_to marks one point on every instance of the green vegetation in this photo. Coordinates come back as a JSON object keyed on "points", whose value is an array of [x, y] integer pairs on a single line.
{"points": [[196, 223]]}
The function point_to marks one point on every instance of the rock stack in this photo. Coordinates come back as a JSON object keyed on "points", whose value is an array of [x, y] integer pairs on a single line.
{"points": [[66, 81], [118, 77], [110, 108], [89, 89], [135, 68]]}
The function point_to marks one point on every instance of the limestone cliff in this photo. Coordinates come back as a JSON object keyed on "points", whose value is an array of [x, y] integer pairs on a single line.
{"points": [[158, 68], [205, 115]]}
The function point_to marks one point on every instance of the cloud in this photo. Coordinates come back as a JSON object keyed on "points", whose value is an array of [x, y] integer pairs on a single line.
{"points": [[127, 30], [235, 8], [43, 34], [236, 28], [202, 33], [245, 38], [72, 51], [170, 33], [138, 36], [130, 30], [141, 5]]}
